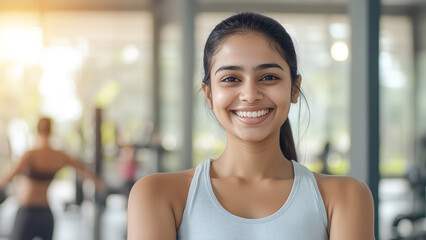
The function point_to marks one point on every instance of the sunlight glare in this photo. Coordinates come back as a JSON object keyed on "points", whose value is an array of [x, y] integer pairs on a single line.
{"points": [[339, 51], [21, 44], [57, 88]]}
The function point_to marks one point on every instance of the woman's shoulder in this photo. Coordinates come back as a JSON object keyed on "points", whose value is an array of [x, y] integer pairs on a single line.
{"points": [[349, 205], [341, 186], [347, 199], [29, 156], [29, 153], [167, 186], [165, 180], [162, 195]]}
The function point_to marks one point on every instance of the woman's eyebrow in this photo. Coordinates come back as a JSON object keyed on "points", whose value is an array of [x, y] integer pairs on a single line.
{"points": [[267, 65], [229, 67], [257, 68]]}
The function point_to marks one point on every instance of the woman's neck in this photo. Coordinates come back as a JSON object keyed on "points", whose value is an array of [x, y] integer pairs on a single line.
{"points": [[43, 142], [253, 160]]}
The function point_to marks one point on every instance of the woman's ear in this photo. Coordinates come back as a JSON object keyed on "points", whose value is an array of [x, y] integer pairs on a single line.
{"points": [[208, 93], [295, 89]]}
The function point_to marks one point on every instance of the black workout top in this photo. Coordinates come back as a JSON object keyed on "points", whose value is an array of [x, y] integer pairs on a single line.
{"points": [[38, 176]]}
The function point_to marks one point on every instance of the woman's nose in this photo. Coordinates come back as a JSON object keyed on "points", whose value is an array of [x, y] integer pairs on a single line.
{"points": [[250, 92]]}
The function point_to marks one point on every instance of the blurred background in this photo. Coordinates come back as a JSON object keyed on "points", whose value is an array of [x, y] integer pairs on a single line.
{"points": [[117, 75]]}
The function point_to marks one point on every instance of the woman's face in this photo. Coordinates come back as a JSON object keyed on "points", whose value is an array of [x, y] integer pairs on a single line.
{"points": [[251, 89]]}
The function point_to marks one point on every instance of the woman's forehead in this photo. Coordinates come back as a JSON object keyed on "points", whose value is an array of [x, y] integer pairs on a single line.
{"points": [[246, 49]]}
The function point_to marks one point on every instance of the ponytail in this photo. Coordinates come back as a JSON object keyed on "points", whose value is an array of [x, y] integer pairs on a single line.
{"points": [[287, 142]]}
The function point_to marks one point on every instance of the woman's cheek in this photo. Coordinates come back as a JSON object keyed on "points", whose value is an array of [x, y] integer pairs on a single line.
{"points": [[222, 99]]}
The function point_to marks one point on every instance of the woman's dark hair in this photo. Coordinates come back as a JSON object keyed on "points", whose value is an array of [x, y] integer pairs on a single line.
{"points": [[278, 38], [44, 126]]}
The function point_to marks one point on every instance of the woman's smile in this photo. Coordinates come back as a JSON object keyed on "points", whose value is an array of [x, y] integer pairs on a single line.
{"points": [[252, 116]]}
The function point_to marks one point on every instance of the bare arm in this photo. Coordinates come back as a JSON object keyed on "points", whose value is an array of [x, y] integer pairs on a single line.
{"points": [[81, 168], [17, 168], [352, 212], [150, 212]]}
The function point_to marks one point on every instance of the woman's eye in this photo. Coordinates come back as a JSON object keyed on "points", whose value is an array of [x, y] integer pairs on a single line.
{"points": [[269, 77], [229, 79]]}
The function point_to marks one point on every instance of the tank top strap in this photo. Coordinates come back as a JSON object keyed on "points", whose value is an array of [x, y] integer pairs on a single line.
{"points": [[196, 184], [308, 181]]}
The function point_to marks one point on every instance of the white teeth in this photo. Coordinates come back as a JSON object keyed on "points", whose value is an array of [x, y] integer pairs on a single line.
{"points": [[252, 114]]}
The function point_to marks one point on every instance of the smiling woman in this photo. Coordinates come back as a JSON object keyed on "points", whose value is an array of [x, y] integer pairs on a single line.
{"points": [[255, 189], [248, 82]]}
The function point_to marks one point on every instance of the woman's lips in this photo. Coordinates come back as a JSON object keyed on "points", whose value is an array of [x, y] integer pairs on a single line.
{"points": [[252, 117]]}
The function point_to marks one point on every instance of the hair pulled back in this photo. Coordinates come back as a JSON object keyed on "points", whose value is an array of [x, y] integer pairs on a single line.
{"points": [[278, 38]]}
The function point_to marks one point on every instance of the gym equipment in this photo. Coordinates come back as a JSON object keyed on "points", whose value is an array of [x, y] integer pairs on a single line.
{"points": [[3, 195]]}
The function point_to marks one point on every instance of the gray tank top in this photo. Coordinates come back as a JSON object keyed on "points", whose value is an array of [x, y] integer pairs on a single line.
{"points": [[302, 217]]}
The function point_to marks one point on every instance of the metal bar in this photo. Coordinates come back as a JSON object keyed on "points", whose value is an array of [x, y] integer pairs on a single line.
{"points": [[156, 99], [188, 43], [98, 172], [364, 99]]}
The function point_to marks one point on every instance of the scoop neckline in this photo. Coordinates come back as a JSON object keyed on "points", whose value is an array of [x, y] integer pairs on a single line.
{"points": [[270, 217]]}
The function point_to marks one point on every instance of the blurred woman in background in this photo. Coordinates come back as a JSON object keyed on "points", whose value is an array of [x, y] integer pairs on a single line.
{"points": [[36, 170]]}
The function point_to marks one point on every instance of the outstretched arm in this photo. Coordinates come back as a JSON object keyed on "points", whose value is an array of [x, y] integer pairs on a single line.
{"points": [[150, 213], [81, 168], [17, 168]]}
